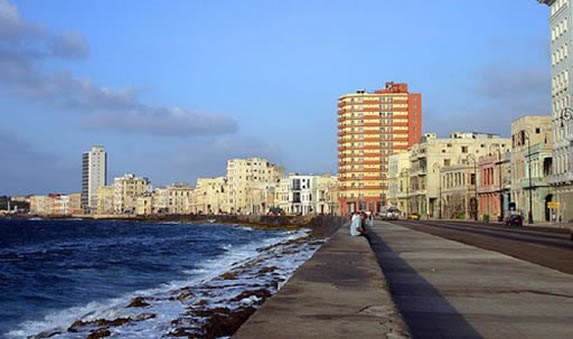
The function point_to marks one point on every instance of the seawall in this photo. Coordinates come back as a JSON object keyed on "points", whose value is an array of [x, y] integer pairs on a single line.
{"points": [[339, 293]]}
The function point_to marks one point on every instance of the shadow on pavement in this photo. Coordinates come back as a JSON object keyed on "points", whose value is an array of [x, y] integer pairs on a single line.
{"points": [[427, 313]]}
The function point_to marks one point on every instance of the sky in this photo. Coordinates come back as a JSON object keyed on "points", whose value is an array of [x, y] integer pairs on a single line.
{"points": [[173, 89]]}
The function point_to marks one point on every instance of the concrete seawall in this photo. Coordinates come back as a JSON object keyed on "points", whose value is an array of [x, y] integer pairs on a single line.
{"points": [[339, 293]]}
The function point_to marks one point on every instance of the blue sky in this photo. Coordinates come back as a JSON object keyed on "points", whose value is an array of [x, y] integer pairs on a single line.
{"points": [[173, 89]]}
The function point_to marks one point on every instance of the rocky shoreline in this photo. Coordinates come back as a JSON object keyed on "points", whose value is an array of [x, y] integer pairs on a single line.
{"points": [[218, 306]]}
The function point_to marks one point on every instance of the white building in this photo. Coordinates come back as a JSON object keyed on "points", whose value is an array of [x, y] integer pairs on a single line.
{"points": [[94, 174], [561, 14], [294, 194]]}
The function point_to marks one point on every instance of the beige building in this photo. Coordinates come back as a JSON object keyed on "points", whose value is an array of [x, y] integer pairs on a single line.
{"points": [[326, 194], [432, 155], [210, 196], [245, 175], [144, 204], [531, 162], [40, 205], [105, 196], [398, 174], [126, 191], [179, 198]]}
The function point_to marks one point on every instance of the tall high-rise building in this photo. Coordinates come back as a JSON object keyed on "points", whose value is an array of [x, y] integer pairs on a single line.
{"points": [[94, 174], [561, 14], [371, 127]]}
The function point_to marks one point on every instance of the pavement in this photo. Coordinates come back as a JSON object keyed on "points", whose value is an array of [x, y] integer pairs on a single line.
{"points": [[430, 288], [339, 293], [446, 289]]}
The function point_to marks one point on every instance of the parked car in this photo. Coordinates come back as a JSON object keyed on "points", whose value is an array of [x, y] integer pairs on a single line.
{"points": [[514, 220], [414, 216]]}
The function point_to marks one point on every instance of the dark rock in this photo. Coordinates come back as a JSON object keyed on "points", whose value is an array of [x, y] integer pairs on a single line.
{"points": [[228, 275], [265, 270], [138, 302], [144, 316], [99, 333], [262, 294], [226, 325]]}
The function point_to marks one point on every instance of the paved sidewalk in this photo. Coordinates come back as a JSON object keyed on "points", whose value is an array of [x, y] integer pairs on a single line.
{"points": [[339, 293], [445, 289]]}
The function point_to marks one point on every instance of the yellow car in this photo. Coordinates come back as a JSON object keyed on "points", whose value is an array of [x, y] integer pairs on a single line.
{"points": [[414, 216]]}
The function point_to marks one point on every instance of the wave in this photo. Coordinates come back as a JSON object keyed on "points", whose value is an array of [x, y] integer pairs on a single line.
{"points": [[218, 283]]}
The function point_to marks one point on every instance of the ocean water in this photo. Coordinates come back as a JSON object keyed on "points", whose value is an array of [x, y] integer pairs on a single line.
{"points": [[70, 278]]}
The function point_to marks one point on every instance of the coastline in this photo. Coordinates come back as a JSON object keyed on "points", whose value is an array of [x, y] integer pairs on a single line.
{"points": [[241, 290]]}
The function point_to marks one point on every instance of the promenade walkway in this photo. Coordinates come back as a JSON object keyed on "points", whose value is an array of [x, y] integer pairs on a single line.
{"points": [[445, 289], [339, 293]]}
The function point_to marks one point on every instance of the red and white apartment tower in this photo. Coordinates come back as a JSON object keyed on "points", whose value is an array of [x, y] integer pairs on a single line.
{"points": [[371, 127]]}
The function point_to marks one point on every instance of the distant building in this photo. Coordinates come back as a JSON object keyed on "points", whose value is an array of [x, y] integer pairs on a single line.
{"points": [[105, 204], [243, 176], [55, 204], [94, 174], [294, 194], [126, 190], [371, 127], [326, 195], [210, 196]]}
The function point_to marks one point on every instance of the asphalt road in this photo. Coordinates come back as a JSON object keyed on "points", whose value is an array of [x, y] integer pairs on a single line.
{"points": [[549, 247]]}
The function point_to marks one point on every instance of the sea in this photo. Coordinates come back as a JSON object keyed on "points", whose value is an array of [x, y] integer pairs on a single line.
{"points": [[128, 279]]}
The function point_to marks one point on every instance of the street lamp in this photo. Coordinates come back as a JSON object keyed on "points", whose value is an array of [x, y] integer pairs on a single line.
{"points": [[406, 173], [473, 158], [499, 169], [436, 166], [566, 114], [525, 136]]}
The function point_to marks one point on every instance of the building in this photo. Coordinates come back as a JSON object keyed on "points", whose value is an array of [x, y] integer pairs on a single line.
{"points": [[210, 196], [126, 190], [179, 198], [105, 203], [398, 174], [326, 193], [494, 186], [371, 127], [40, 205], [94, 174], [294, 194], [561, 179], [432, 156], [243, 175], [531, 162]]}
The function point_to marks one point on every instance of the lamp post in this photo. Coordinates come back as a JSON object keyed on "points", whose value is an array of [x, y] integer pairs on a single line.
{"points": [[436, 166], [566, 114], [473, 158], [405, 173], [525, 136], [499, 169]]}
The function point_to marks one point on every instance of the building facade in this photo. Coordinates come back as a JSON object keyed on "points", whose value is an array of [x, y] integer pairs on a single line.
{"points": [[531, 162], [244, 175], [371, 127], [126, 190], [561, 12], [294, 195], [326, 193], [94, 175], [433, 155]]}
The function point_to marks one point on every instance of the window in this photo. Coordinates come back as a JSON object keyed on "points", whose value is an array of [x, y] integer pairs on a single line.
{"points": [[537, 130], [464, 149]]}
